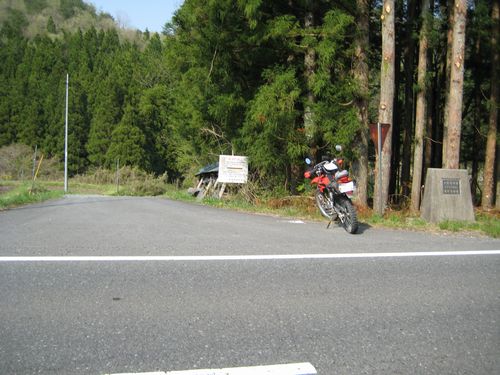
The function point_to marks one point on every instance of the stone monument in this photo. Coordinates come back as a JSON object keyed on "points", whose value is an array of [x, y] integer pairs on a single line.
{"points": [[447, 196]]}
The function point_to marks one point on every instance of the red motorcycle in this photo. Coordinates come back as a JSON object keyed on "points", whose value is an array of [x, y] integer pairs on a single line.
{"points": [[334, 188]]}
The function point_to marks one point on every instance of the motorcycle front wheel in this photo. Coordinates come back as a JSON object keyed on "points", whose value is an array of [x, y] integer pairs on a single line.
{"points": [[325, 204], [347, 214]]}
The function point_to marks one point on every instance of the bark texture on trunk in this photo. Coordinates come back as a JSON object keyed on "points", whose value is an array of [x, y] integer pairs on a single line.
{"points": [[361, 74], [489, 164], [447, 70], [386, 103], [451, 142], [421, 111], [408, 123]]}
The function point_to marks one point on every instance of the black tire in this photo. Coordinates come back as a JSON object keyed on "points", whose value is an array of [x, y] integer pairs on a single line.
{"points": [[347, 215], [324, 204]]}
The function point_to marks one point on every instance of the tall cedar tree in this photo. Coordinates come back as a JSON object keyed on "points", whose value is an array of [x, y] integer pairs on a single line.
{"points": [[361, 75], [455, 97], [387, 72], [421, 110], [491, 145]]}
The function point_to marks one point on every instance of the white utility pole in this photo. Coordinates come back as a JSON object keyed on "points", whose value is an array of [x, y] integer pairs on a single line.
{"points": [[66, 139]]}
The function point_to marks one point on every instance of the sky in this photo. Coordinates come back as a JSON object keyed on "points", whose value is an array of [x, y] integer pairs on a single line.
{"points": [[139, 14]]}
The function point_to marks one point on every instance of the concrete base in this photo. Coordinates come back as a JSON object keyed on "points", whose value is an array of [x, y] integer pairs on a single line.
{"points": [[447, 196]]}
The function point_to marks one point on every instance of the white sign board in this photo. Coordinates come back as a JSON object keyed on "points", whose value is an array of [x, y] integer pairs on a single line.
{"points": [[233, 169]]}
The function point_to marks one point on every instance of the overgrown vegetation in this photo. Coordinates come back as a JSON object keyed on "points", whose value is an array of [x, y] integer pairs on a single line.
{"points": [[125, 181], [56, 17], [16, 163], [303, 207], [25, 194]]}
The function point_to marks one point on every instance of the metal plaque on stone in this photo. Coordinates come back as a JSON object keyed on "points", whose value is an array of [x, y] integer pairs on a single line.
{"points": [[451, 186]]}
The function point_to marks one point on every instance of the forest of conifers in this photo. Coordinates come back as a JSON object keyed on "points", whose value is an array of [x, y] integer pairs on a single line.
{"points": [[273, 80]]}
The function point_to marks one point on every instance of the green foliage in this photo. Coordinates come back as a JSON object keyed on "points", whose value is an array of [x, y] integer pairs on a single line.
{"points": [[226, 72], [225, 77], [24, 194], [272, 115], [15, 23], [452, 225], [131, 181], [16, 162], [35, 6], [127, 142], [51, 26], [490, 226], [149, 185], [70, 7]]}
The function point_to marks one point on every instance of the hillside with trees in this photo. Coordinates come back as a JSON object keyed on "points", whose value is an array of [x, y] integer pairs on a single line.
{"points": [[273, 80]]}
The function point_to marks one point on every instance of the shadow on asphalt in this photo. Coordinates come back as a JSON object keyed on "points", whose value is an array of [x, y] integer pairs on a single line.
{"points": [[362, 227]]}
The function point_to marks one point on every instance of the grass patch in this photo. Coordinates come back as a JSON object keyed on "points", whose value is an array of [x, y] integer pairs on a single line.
{"points": [[300, 207], [91, 189], [452, 225], [175, 193], [488, 224], [23, 194]]}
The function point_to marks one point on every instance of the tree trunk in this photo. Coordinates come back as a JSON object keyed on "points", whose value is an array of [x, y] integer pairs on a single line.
{"points": [[489, 164], [477, 142], [429, 143], [497, 178], [421, 111], [396, 121], [447, 71], [386, 103], [361, 74], [310, 68], [453, 121], [408, 119]]}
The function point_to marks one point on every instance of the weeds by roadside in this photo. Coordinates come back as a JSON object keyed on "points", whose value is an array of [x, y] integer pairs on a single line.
{"points": [[24, 194], [488, 224], [127, 181], [303, 207]]}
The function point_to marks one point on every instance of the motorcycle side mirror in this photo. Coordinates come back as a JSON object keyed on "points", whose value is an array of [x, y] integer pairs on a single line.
{"points": [[338, 148], [308, 161]]}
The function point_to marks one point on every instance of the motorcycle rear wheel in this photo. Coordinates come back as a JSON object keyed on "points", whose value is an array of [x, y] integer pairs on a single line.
{"points": [[324, 204], [347, 215]]}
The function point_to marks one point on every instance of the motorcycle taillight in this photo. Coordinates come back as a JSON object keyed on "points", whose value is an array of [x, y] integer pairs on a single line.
{"points": [[344, 179]]}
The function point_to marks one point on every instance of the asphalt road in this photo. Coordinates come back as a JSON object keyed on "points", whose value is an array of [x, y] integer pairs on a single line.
{"points": [[396, 315]]}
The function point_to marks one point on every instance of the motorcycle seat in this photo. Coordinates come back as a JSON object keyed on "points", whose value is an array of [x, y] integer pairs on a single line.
{"points": [[340, 174]]}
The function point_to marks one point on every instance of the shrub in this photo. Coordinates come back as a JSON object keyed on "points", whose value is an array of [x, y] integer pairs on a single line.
{"points": [[149, 185], [132, 180], [16, 163]]}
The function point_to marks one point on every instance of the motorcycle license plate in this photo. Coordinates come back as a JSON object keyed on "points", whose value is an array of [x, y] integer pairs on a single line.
{"points": [[347, 187]]}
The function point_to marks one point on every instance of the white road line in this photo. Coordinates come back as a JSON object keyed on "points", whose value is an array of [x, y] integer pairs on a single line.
{"points": [[167, 258], [286, 369]]}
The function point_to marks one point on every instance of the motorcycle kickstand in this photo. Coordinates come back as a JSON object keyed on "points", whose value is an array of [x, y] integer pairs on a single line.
{"points": [[329, 223]]}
